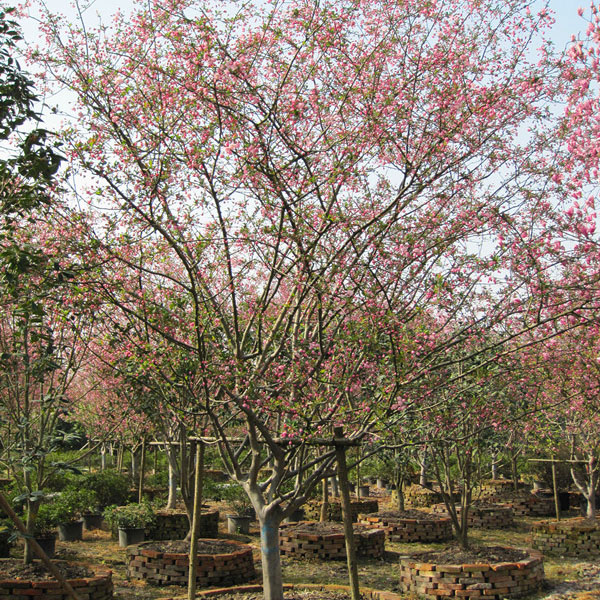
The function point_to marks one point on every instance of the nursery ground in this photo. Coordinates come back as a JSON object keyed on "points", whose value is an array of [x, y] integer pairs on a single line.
{"points": [[565, 578]]}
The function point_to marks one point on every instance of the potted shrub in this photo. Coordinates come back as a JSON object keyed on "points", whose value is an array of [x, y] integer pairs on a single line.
{"points": [[130, 521], [6, 537], [236, 497], [68, 510], [43, 529]]}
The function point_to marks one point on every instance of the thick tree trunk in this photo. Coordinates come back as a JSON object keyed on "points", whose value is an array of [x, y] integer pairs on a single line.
{"points": [[172, 460], [270, 556], [340, 454]]}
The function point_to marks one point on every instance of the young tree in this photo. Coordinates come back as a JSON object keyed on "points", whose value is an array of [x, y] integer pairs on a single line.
{"points": [[300, 180]]}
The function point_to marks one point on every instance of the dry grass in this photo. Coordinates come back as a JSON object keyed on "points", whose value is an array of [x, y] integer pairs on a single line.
{"points": [[97, 547]]}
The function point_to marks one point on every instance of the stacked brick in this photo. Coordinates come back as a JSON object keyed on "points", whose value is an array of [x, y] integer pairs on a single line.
{"points": [[572, 537], [312, 510], [96, 587], [416, 496], [165, 568], [299, 543], [523, 503], [497, 488], [477, 581], [484, 517], [408, 529], [175, 526]]}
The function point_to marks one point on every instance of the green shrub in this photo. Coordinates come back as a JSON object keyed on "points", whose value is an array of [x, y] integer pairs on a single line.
{"points": [[129, 516], [110, 487]]}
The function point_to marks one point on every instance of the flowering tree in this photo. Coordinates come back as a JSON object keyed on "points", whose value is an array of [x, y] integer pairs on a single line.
{"points": [[294, 183]]}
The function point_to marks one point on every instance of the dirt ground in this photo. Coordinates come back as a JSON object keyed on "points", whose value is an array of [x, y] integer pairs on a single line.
{"points": [[566, 578]]}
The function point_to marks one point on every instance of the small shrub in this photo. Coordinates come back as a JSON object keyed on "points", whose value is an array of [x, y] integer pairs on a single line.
{"points": [[110, 487], [129, 516]]}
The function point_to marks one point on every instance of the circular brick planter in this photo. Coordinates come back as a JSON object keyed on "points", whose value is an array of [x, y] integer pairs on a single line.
{"points": [[571, 537], [300, 541], [476, 581], [96, 587], [523, 503], [416, 496], [484, 517], [175, 526], [232, 567], [312, 510], [410, 527]]}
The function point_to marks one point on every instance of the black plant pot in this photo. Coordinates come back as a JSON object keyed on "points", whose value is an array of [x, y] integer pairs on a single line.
{"points": [[48, 544], [5, 545], [238, 523], [70, 532], [92, 521], [130, 535]]}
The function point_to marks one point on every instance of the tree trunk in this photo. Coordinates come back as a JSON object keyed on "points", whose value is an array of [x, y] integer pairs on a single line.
{"points": [[172, 460], [423, 471], [270, 555], [555, 491], [142, 469], [340, 454], [494, 466], [195, 528], [515, 473], [324, 501]]}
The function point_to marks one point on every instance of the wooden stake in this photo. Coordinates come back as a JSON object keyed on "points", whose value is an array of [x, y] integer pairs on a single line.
{"points": [[196, 519]]}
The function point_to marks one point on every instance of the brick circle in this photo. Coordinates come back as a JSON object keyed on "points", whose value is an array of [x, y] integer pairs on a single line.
{"points": [[571, 537], [169, 568], [488, 580], [295, 541], [404, 528], [485, 517], [98, 586]]}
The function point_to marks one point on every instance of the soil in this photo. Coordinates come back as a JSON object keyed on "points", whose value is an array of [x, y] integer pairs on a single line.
{"points": [[293, 595], [324, 527], [406, 514], [182, 547], [476, 554], [12, 568]]}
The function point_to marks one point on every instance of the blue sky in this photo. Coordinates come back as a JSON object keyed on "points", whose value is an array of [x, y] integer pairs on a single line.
{"points": [[568, 22]]}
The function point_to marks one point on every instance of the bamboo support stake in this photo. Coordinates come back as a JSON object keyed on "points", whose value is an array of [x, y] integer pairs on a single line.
{"points": [[196, 520]]}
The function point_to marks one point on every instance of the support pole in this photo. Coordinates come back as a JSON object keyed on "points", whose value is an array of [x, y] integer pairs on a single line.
{"points": [[196, 519], [555, 490]]}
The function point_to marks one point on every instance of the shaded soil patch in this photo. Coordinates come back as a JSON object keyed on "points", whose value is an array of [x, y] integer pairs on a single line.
{"points": [[12, 568], [182, 547], [487, 554]]}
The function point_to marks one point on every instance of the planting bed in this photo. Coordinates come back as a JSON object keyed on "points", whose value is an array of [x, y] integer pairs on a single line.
{"points": [[312, 510], [410, 526], [514, 574], [484, 516], [23, 582], [174, 525], [571, 537], [416, 496], [220, 562], [327, 540]]}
